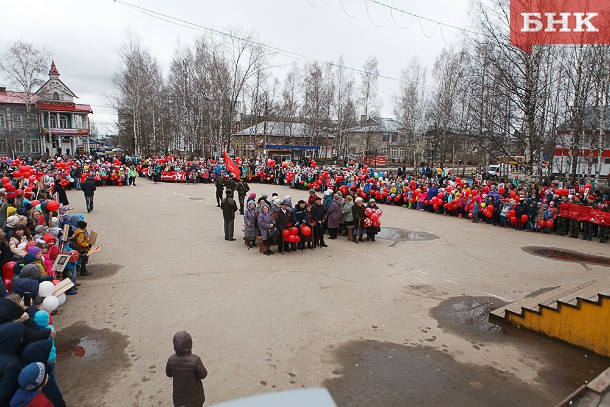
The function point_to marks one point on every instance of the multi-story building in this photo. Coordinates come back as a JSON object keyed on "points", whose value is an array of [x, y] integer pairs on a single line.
{"points": [[282, 141], [56, 121], [384, 137]]}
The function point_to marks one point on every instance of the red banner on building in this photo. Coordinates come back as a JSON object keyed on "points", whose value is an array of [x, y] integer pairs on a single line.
{"points": [[584, 214], [559, 22]]}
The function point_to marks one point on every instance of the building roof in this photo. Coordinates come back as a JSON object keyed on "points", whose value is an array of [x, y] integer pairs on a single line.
{"points": [[277, 129], [378, 125], [16, 98], [63, 107], [53, 70]]}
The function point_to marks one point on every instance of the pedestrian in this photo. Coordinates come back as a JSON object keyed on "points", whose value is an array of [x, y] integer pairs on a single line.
{"points": [[88, 188], [82, 245], [266, 225], [187, 371], [229, 207], [334, 216], [348, 216], [283, 223], [219, 187], [318, 215], [250, 224], [358, 214]]}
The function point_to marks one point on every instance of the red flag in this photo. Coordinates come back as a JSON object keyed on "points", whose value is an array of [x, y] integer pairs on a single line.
{"points": [[231, 166]]}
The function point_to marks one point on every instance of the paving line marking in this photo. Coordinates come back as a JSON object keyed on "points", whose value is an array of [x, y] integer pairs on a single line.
{"points": [[422, 272], [497, 296], [452, 282]]}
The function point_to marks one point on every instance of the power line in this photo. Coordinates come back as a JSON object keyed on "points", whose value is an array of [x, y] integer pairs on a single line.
{"points": [[187, 24]]}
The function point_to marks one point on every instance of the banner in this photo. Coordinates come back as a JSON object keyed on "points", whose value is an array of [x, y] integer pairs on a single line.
{"points": [[584, 214], [559, 22], [231, 166]]}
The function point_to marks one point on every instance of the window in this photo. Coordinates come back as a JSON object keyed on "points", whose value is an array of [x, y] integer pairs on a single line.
{"points": [[63, 122], [394, 153], [2, 121], [19, 146], [55, 96], [78, 122], [402, 153], [35, 146], [18, 120], [384, 151], [53, 124], [386, 138], [3, 145], [394, 138]]}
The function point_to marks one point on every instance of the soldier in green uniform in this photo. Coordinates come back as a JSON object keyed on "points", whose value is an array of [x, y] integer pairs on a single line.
{"points": [[230, 182], [588, 227], [219, 187], [562, 223], [574, 223], [242, 189], [604, 231]]}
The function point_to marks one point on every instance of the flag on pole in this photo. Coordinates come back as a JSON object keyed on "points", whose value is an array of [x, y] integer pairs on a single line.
{"points": [[231, 166]]}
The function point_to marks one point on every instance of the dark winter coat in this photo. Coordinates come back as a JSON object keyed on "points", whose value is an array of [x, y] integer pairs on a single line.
{"points": [[229, 207], [358, 212], [61, 193], [334, 214], [317, 213], [11, 334], [88, 187], [187, 371], [298, 216], [40, 351], [283, 219]]}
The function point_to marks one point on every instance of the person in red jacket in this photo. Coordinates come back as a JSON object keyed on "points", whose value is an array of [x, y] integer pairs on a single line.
{"points": [[31, 379]]}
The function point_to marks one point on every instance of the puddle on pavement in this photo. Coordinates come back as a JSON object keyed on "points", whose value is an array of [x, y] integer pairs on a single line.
{"points": [[567, 255], [102, 270], [565, 367], [469, 316], [401, 235], [386, 374], [88, 362]]}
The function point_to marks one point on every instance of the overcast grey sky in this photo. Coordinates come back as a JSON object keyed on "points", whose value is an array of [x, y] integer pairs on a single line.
{"points": [[84, 37]]}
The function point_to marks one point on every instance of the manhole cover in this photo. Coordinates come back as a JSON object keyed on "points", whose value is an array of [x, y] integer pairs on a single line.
{"points": [[567, 255], [401, 235]]}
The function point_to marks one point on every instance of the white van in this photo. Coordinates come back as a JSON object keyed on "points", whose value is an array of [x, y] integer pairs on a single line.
{"points": [[494, 170]]}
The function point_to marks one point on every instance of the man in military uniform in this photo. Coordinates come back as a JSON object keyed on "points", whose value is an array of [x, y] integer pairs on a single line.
{"points": [[562, 223], [242, 189], [219, 187], [574, 223], [230, 182], [604, 230]]}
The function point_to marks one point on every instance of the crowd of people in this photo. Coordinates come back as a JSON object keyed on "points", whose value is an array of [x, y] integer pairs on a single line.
{"points": [[38, 228], [495, 201]]}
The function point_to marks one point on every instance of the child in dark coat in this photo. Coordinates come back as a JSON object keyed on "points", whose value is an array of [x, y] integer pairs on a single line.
{"points": [[187, 371]]}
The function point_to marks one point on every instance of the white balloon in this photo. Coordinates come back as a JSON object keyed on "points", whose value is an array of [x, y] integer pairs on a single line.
{"points": [[46, 289], [62, 299], [50, 304]]}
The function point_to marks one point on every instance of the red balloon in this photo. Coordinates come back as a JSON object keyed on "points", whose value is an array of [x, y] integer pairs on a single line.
{"points": [[501, 190], [74, 255], [374, 217], [53, 206], [488, 214], [17, 174], [512, 213], [5, 180], [292, 239], [440, 195], [305, 230], [549, 223], [297, 239], [294, 231], [490, 208], [458, 180], [470, 215], [513, 193], [368, 212], [7, 270], [524, 218], [513, 219]]}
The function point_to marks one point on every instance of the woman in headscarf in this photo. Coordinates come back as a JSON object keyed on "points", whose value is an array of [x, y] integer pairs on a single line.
{"points": [[358, 214], [265, 224], [334, 216], [250, 224]]}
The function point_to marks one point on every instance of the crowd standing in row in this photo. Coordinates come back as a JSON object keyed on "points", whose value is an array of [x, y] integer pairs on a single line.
{"points": [[507, 203]]}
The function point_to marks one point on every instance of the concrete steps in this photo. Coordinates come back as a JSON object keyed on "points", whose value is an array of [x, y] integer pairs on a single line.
{"points": [[579, 315]]}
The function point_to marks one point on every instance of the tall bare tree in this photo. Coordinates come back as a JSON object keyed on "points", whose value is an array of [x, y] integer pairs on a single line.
{"points": [[25, 66], [369, 102]]}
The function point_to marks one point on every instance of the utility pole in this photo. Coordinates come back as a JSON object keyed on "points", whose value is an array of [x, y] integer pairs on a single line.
{"points": [[265, 132]]}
